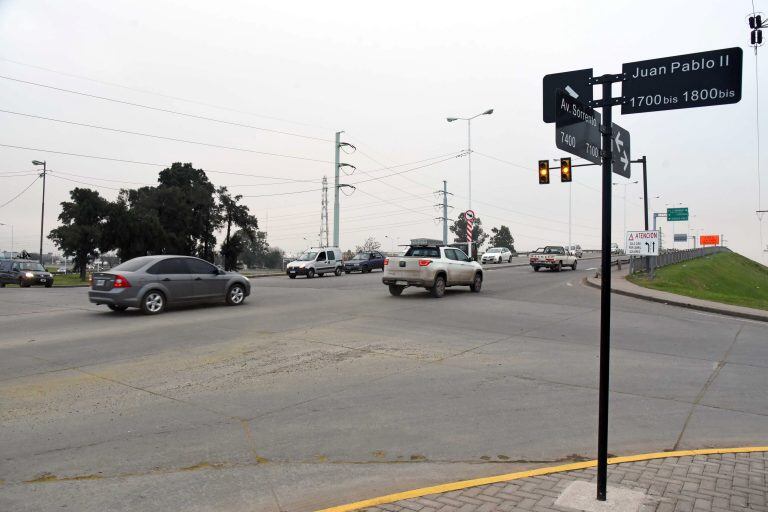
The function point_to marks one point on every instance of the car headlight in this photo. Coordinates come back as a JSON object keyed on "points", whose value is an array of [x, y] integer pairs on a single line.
{"points": [[29, 274], [302, 265]]}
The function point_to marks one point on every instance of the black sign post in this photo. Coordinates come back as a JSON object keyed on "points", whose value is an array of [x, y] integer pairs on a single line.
{"points": [[577, 128], [685, 81]]}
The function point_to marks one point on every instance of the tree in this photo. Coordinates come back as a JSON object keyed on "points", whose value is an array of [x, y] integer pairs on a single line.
{"points": [[370, 244], [133, 226], [234, 214], [459, 228], [82, 219], [502, 237], [347, 255]]}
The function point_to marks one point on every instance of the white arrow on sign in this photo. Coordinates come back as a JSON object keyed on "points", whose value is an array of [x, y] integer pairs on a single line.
{"points": [[619, 142], [624, 159]]}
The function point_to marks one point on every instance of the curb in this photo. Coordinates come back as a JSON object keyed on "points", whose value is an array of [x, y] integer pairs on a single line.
{"points": [[464, 484], [707, 309]]}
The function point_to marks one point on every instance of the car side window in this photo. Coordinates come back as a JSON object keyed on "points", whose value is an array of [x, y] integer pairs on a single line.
{"points": [[321, 256], [16, 267], [331, 255], [169, 266], [200, 267], [460, 255], [451, 254]]}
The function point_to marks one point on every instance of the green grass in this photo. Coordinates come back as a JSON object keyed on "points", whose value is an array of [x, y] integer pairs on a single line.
{"points": [[724, 277]]}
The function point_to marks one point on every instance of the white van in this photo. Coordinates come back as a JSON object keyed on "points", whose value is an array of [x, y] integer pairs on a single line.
{"points": [[316, 262]]}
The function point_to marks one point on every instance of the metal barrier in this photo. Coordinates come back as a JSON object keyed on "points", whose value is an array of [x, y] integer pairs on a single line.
{"points": [[639, 264]]}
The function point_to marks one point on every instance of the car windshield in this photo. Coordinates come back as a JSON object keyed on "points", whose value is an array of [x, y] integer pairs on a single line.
{"points": [[308, 256], [495, 249], [31, 265], [361, 256], [134, 264], [553, 250]]}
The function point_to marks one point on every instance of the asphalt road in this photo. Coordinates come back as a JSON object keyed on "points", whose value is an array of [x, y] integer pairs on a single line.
{"points": [[319, 392]]}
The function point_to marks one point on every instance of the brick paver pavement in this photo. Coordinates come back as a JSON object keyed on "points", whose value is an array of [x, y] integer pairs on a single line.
{"points": [[714, 483]]}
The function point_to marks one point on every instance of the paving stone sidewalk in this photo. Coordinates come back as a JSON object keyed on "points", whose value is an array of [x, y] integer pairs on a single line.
{"points": [[715, 483]]}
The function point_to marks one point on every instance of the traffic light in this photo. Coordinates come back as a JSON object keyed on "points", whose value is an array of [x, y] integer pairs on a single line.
{"points": [[543, 172], [756, 38], [565, 170], [755, 21]]}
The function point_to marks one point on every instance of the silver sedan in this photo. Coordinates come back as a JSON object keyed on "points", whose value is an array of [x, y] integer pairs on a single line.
{"points": [[151, 283]]}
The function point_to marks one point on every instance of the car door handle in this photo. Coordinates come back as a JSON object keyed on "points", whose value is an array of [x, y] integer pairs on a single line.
{"points": [[166, 279]]}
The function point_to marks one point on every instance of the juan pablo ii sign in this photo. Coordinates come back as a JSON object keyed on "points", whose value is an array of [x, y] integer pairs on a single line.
{"points": [[685, 81]]}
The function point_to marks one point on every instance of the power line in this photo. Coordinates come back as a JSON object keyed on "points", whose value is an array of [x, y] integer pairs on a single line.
{"points": [[162, 137], [164, 110], [19, 194], [162, 95]]}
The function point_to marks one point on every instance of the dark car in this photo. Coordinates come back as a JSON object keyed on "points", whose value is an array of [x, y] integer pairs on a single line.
{"points": [[24, 273], [151, 283], [364, 262]]}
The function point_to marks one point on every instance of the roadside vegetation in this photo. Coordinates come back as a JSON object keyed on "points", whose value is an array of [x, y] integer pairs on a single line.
{"points": [[725, 277]]}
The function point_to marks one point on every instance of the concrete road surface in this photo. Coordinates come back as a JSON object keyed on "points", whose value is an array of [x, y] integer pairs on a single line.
{"points": [[318, 392]]}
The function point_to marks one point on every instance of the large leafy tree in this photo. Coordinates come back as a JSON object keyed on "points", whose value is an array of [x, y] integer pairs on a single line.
{"points": [[82, 223], [234, 214], [133, 226], [459, 228], [502, 237]]}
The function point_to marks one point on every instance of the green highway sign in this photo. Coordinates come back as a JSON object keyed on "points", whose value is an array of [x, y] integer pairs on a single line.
{"points": [[674, 214]]}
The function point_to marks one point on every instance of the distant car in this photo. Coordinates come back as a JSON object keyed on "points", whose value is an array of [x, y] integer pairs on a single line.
{"points": [[615, 249], [316, 262], [151, 283], [553, 257], [365, 261], [497, 255], [575, 250], [24, 273]]}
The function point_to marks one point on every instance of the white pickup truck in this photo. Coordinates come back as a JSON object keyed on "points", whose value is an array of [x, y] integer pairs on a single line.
{"points": [[553, 257], [429, 264]]}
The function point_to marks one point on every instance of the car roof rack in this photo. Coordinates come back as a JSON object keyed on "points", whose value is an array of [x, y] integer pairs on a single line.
{"points": [[426, 242]]}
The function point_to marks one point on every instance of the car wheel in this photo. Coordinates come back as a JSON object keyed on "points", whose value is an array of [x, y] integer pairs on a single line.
{"points": [[2, 285], [153, 302], [347, 271], [22, 284], [573, 267], [292, 276], [49, 284], [438, 288], [477, 283], [535, 268], [337, 272], [509, 260], [310, 273], [557, 267], [118, 309], [235, 295], [396, 290]]}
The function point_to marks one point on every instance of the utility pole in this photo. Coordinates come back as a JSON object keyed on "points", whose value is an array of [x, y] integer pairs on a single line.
{"points": [[444, 204], [42, 210], [336, 170], [645, 190], [324, 214]]}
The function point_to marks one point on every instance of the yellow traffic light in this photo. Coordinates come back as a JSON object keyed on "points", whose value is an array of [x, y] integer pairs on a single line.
{"points": [[565, 170], [543, 172]]}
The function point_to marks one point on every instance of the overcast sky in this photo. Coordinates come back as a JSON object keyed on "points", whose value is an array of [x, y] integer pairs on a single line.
{"points": [[388, 74]]}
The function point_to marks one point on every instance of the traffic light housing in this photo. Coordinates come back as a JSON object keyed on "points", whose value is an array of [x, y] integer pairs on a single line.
{"points": [[755, 21], [565, 170], [543, 172], [756, 38]]}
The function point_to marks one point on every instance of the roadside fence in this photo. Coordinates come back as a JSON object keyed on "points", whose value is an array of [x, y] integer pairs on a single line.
{"points": [[650, 263]]}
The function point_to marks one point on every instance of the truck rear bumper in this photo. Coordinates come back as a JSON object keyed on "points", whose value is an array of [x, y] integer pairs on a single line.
{"points": [[421, 283]]}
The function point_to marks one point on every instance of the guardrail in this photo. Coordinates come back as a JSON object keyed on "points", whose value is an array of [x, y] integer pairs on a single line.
{"points": [[637, 264]]}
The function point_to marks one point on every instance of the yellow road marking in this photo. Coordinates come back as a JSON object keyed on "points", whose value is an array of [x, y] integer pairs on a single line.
{"points": [[464, 484]]}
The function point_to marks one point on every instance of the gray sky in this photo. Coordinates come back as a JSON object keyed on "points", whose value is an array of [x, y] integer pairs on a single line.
{"points": [[388, 74]]}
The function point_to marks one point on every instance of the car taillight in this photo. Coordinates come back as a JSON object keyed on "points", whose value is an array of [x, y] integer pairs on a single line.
{"points": [[424, 263], [386, 261], [121, 282]]}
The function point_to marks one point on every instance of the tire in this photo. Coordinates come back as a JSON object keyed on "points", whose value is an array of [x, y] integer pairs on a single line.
{"points": [[235, 295], [337, 272], [48, 285], [365, 270], [292, 276], [22, 285], [153, 302], [347, 271], [396, 290], [558, 267], [438, 288], [310, 273], [477, 283], [117, 309], [2, 285], [536, 268], [509, 260], [573, 267]]}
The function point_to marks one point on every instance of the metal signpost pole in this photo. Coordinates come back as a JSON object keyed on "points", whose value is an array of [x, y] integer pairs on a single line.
{"points": [[605, 300], [336, 192]]}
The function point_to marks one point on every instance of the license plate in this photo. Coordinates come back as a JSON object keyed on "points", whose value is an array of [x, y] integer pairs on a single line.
{"points": [[292, 271], [401, 283], [42, 280], [99, 282]]}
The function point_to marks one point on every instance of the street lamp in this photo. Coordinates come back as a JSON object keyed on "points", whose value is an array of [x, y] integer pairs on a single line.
{"points": [[42, 210], [625, 201], [11, 226]]}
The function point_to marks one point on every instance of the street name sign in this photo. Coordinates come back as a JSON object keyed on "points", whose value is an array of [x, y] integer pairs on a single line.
{"points": [[577, 128], [681, 237], [709, 239], [684, 81], [677, 214], [642, 243], [575, 83], [621, 155]]}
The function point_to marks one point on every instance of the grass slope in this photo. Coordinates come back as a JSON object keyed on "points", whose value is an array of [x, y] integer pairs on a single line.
{"points": [[725, 277]]}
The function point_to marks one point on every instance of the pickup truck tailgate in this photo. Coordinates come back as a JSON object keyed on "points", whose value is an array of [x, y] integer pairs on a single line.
{"points": [[403, 268]]}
